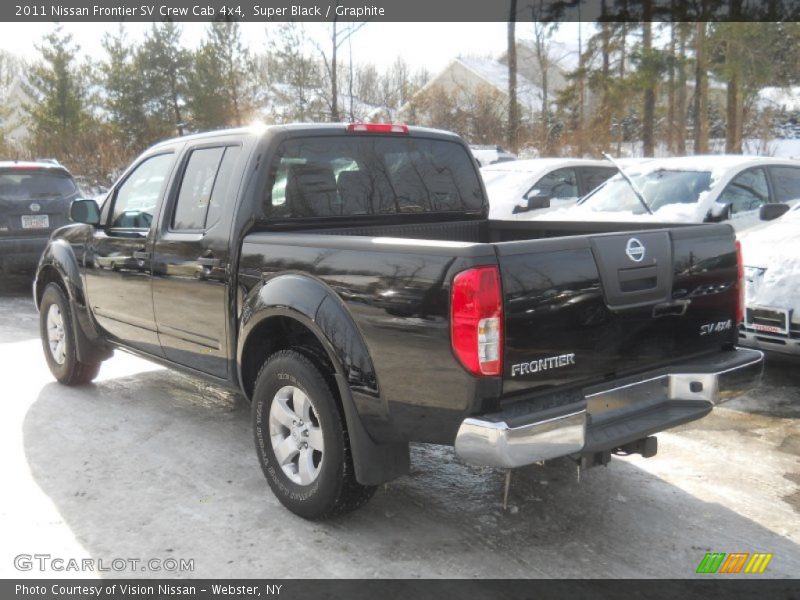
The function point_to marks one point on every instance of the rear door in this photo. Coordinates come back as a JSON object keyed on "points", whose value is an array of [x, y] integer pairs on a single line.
{"points": [[585, 309], [34, 201], [191, 258]]}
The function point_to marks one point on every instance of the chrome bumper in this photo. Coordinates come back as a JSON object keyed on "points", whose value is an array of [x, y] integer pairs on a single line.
{"points": [[699, 385]]}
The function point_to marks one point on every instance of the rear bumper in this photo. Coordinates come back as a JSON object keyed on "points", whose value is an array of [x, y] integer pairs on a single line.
{"points": [[610, 416], [17, 254]]}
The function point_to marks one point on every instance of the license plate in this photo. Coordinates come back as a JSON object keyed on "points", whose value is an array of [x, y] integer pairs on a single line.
{"points": [[769, 320], [35, 222]]}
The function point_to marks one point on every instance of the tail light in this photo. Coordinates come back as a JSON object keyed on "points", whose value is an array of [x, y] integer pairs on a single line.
{"points": [[476, 320], [377, 128], [739, 283]]}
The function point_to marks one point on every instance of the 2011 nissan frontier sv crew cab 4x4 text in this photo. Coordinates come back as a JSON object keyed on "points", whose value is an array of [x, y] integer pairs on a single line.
{"points": [[346, 279]]}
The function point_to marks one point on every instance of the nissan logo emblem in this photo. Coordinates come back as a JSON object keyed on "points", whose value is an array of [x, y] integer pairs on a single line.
{"points": [[635, 250]]}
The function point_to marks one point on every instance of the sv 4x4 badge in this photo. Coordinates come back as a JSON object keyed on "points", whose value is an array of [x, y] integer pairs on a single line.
{"points": [[717, 327]]}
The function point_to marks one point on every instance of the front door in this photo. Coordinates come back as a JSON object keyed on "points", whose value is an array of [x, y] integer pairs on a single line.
{"points": [[744, 196], [118, 261], [191, 258]]}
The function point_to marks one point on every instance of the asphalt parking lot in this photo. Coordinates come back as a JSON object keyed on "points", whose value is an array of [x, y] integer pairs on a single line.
{"points": [[146, 463]]}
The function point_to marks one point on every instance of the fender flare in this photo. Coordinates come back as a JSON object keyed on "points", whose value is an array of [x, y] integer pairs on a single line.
{"points": [[314, 305], [89, 343]]}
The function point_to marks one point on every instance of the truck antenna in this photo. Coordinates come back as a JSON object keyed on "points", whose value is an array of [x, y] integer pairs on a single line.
{"points": [[625, 176]]}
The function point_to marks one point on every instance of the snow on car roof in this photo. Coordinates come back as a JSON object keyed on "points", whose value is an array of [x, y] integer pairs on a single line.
{"points": [[537, 164], [708, 162]]}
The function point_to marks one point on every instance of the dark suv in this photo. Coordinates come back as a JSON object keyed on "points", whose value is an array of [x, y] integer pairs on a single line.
{"points": [[34, 200]]}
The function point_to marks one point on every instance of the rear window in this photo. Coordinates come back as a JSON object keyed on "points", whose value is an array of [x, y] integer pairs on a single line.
{"points": [[366, 175], [29, 184]]}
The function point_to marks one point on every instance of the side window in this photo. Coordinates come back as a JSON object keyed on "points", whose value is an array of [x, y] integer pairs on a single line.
{"points": [[786, 182], [594, 176], [748, 191], [136, 199], [561, 183], [204, 188]]}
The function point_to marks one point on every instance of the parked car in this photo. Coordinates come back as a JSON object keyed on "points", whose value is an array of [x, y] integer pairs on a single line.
{"points": [[525, 185], [692, 189], [772, 274], [489, 155], [90, 188], [34, 200], [346, 279]]}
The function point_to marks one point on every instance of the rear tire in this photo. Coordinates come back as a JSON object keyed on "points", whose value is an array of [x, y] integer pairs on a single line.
{"points": [[58, 339], [301, 439]]}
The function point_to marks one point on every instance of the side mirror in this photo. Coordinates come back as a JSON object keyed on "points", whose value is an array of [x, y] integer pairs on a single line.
{"points": [[718, 213], [84, 211], [536, 202], [768, 212]]}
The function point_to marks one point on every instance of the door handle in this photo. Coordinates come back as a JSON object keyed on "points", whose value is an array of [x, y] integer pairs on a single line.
{"points": [[208, 262], [141, 255]]}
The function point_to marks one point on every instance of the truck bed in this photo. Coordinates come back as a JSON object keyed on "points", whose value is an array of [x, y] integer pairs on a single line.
{"points": [[577, 313]]}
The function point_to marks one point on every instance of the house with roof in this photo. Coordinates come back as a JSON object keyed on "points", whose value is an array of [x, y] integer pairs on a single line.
{"points": [[466, 77]]}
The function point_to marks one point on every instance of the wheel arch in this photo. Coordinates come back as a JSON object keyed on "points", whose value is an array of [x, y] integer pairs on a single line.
{"points": [[298, 311], [59, 265]]}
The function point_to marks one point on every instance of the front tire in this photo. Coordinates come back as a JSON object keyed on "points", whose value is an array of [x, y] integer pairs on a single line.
{"points": [[58, 339], [301, 439]]}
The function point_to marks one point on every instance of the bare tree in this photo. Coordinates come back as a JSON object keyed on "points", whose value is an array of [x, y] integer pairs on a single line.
{"points": [[700, 90], [542, 32], [513, 106], [649, 105], [680, 95], [330, 59], [296, 76]]}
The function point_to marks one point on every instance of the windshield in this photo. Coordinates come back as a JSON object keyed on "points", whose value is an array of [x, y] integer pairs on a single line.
{"points": [[661, 188], [19, 184]]}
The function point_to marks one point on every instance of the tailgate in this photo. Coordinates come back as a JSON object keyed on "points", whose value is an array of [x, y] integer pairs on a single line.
{"points": [[585, 309], [32, 217]]}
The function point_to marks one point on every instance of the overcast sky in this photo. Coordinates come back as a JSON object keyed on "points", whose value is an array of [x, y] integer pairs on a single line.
{"points": [[431, 45]]}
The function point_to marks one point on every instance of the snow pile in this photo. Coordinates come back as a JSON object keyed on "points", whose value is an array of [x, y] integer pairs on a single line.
{"points": [[779, 98]]}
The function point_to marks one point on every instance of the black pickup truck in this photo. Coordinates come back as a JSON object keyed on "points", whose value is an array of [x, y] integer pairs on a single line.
{"points": [[347, 281]]}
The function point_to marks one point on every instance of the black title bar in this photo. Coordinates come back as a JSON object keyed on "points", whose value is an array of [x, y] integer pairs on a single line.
{"points": [[355, 589], [264, 11]]}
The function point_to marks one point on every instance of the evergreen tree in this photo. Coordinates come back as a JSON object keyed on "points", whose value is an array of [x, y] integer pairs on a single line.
{"points": [[59, 90], [165, 65], [125, 95], [220, 87]]}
